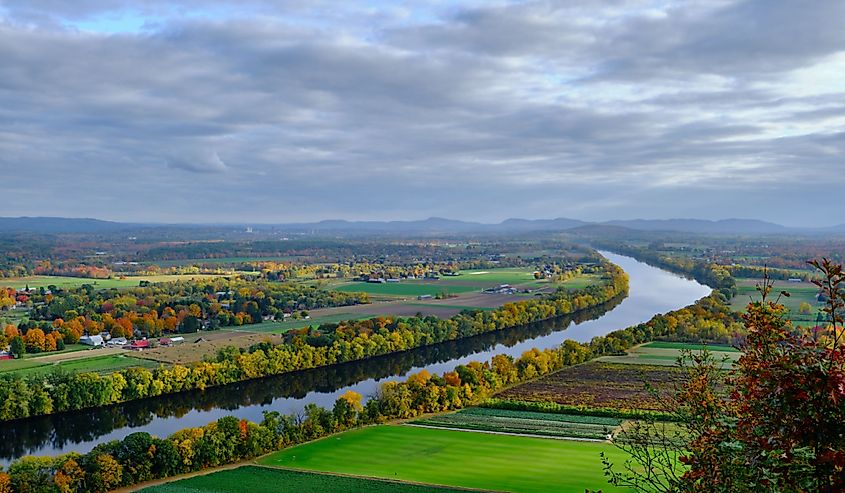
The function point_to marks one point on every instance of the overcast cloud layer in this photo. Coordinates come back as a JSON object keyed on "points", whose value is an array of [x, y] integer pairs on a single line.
{"points": [[276, 112]]}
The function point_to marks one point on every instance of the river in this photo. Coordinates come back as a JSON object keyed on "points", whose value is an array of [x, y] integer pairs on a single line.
{"points": [[652, 291]]}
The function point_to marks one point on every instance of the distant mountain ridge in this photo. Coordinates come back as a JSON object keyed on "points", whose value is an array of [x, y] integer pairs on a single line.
{"points": [[432, 225]]}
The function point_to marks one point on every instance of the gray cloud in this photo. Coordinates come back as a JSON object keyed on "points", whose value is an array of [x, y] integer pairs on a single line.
{"points": [[203, 161], [279, 113]]}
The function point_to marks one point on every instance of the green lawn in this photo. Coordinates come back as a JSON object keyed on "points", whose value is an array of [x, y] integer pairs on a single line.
{"points": [[279, 327], [404, 288], [456, 458], [75, 282], [265, 480], [107, 363]]}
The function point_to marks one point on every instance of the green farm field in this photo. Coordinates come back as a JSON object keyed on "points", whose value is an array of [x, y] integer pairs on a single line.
{"points": [[491, 277], [70, 348], [581, 282], [524, 423], [266, 480], [75, 282], [456, 458], [98, 364], [468, 281], [523, 278], [799, 292], [667, 353], [690, 346]]}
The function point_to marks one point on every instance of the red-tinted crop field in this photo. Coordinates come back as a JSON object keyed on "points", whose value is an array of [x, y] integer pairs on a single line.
{"points": [[605, 385]]}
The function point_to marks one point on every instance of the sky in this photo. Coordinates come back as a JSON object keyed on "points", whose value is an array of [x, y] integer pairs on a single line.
{"points": [[292, 111]]}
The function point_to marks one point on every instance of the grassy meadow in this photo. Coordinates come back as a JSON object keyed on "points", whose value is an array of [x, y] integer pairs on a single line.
{"points": [[456, 458], [97, 364]]}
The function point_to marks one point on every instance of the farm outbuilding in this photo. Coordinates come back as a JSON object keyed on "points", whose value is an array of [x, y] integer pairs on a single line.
{"points": [[94, 341]]}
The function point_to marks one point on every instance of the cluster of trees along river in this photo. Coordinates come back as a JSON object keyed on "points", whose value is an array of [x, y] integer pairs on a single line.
{"points": [[651, 291]]}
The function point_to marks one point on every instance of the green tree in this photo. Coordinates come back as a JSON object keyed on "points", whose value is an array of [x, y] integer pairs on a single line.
{"points": [[190, 325], [18, 347], [805, 308]]}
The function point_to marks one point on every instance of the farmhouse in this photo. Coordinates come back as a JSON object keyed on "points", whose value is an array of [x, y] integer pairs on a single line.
{"points": [[502, 289], [139, 345], [95, 341], [118, 341]]}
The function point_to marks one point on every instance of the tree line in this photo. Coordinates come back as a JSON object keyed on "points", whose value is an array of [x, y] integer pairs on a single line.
{"points": [[327, 344]]}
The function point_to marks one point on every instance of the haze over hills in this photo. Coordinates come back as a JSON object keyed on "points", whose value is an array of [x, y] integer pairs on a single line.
{"points": [[433, 225]]}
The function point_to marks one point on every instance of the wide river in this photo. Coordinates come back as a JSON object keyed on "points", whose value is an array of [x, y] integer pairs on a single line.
{"points": [[652, 291]]}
